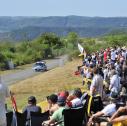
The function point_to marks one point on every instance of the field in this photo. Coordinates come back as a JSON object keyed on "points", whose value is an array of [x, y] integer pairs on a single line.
{"points": [[42, 85]]}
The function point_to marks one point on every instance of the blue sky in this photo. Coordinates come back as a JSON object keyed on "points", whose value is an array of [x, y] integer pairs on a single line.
{"points": [[102, 8]]}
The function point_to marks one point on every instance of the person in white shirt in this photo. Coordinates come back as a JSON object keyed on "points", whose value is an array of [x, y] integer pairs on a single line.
{"points": [[114, 86], [4, 92], [124, 54], [113, 55], [96, 87], [108, 110], [105, 71], [76, 102]]}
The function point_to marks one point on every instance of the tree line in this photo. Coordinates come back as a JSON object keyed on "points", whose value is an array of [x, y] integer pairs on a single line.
{"points": [[49, 45]]}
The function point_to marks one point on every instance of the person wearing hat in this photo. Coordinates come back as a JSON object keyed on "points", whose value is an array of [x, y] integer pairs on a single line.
{"points": [[31, 107], [63, 94], [57, 115]]}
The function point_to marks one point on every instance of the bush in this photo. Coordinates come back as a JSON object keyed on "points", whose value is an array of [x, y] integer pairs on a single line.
{"points": [[2, 66], [73, 54]]}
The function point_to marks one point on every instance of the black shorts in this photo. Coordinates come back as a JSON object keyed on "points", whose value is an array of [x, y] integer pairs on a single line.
{"points": [[100, 119]]}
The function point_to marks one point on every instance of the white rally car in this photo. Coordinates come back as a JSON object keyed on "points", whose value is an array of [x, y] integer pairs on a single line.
{"points": [[39, 66]]}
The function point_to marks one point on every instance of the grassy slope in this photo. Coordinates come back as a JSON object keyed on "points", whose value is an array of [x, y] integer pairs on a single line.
{"points": [[55, 80]]}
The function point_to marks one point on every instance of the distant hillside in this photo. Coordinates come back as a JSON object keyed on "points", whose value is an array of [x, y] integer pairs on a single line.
{"points": [[20, 28]]}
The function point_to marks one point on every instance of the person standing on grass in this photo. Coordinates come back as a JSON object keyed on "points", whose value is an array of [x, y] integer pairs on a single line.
{"points": [[105, 55], [96, 87], [114, 86], [113, 55], [4, 92]]}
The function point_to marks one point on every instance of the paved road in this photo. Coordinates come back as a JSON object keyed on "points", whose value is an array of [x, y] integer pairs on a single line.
{"points": [[28, 72]]}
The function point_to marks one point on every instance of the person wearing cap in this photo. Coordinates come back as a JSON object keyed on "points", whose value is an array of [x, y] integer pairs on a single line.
{"points": [[31, 107], [63, 94], [52, 103], [57, 115], [102, 115]]}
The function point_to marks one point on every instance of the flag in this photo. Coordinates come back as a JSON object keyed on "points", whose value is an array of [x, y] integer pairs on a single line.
{"points": [[81, 49], [13, 100]]}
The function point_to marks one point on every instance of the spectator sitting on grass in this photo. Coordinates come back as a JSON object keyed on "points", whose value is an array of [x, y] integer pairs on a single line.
{"points": [[76, 99], [52, 103], [63, 94], [57, 115], [31, 107], [108, 110], [120, 116]]}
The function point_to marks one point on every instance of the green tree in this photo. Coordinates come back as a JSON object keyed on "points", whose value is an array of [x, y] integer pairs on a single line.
{"points": [[72, 38]]}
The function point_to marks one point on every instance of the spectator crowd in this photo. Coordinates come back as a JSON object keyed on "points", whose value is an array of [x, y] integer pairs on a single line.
{"points": [[104, 74]]}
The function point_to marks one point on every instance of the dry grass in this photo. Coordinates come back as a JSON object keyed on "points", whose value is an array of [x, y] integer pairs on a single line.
{"points": [[55, 80]]}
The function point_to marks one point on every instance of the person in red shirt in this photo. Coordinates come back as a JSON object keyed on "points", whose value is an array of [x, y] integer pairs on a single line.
{"points": [[105, 56]]}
